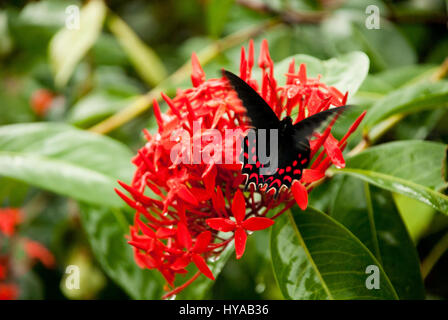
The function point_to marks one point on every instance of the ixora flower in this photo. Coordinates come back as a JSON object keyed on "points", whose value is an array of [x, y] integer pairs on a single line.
{"points": [[188, 213]]}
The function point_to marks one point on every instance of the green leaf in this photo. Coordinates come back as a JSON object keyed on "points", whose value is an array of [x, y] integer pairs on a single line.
{"points": [[377, 85], [69, 46], [217, 12], [412, 168], [145, 60], [67, 161], [37, 22], [432, 198], [106, 230], [96, 106], [418, 126], [345, 72], [370, 214], [421, 162], [316, 257], [413, 98], [416, 215], [386, 47], [406, 75]]}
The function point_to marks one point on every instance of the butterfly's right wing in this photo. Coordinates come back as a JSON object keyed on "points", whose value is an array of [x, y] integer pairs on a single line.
{"points": [[259, 112]]}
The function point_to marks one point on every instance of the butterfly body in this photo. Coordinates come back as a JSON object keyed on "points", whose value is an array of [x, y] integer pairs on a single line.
{"points": [[290, 161], [289, 155]]}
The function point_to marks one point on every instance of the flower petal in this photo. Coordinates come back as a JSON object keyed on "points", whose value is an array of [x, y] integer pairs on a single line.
{"points": [[257, 223], [264, 59], [183, 236], [333, 151], [186, 195], [145, 229], [312, 175], [202, 266], [221, 224], [163, 232], [197, 74], [239, 206], [302, 73], [148, 261], [240, 242], [218, 201], [181, 262], [300, 194], [202, 242]]}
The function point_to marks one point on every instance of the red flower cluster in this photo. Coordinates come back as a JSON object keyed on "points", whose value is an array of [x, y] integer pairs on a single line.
{"points": [[9, 219], [184, 212]]}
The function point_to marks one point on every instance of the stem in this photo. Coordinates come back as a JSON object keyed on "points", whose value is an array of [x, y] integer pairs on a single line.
{"points": [[183, 286], [441, 72], [206, 55], [431, 259]]}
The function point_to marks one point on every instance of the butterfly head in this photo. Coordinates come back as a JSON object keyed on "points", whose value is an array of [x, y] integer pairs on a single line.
{"points": [[286, 125]]}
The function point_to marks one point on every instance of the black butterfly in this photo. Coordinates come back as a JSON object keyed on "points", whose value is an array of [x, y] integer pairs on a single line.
{"points": [[293, 154]]}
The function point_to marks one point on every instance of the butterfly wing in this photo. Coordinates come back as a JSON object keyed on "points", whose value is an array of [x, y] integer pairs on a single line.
{"points": [[262, 117], [259, 112], [294, 151], [304, 129], [291, 162]]}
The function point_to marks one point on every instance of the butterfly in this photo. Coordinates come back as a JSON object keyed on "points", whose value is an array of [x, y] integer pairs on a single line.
{"points": [[293, 148]]}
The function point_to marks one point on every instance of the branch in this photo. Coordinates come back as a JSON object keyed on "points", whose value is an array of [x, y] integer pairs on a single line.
{"points": [[289, 17]]}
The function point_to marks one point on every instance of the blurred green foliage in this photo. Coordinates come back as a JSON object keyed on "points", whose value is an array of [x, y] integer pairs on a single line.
{"points": [[126, 48]]}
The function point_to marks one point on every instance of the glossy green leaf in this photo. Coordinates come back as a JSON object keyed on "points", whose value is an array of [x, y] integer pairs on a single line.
{"points": [[412, 168], [345, 72], [69, 46], [421, 162], [106, 230], [432, 198], [370, 214], [316, 257], [65, 160], [413, 98]]}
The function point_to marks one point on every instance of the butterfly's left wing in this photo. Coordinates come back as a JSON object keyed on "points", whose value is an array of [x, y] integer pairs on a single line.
{"points": [[259, 112]]}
